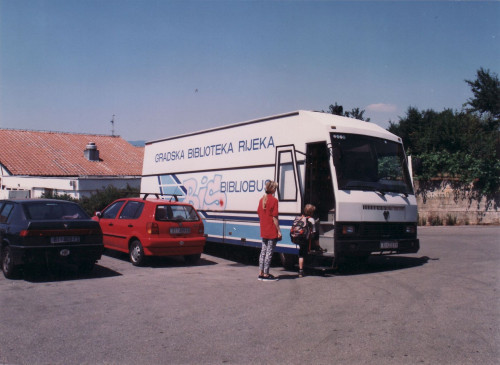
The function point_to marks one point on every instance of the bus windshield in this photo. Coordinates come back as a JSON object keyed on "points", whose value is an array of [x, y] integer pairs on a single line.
{"points": [[370, 163]]}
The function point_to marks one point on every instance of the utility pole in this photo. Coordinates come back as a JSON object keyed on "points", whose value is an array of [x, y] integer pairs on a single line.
{"points": [[113, 126]]}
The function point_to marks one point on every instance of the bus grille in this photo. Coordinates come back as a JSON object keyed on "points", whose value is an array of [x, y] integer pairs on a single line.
{"points": [[383, 230]]}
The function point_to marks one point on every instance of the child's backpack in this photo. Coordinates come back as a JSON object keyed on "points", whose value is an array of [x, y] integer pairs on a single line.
{"points": [[300, 230]]}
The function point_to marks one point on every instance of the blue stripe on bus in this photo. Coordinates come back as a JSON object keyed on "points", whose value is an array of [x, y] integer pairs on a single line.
{"points": [[240, 218], [291, 249], [228, 231]]}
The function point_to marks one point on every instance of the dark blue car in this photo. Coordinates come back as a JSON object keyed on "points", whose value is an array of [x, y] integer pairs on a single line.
{"points": [[47, 231]]}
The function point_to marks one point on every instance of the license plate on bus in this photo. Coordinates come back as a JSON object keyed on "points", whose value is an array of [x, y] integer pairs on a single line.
{"points": [[64, 239], [384, 245], [180, 230]]}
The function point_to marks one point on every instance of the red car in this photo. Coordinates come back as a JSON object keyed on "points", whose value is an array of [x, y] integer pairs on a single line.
{"points": [[145, 227]]}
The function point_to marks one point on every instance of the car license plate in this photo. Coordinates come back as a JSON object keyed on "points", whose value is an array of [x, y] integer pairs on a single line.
{"points": [[64, 239], [180, 230], [388, 244]]}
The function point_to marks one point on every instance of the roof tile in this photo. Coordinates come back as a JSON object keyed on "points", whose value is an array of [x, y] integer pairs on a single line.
{"points": [[39, 153]]}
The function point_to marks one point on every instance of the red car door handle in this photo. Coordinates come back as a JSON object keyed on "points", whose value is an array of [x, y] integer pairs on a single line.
{"points": [[130, 225], [110, 224]]}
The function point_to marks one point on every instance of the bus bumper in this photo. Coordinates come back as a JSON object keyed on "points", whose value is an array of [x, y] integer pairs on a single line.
{"points": [[365, 247]]}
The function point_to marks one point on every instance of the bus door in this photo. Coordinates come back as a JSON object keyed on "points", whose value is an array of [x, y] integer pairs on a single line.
{"points": [[319, 192], [318, 182], [286, 173]]}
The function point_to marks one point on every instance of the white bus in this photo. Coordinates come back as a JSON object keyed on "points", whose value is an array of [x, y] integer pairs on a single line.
{"points": [[354, 172]]}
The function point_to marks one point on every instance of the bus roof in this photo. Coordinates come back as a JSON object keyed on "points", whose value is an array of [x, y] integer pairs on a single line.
{"points": [[344, 123]]}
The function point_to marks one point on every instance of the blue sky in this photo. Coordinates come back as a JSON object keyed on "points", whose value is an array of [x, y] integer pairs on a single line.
{"points": [[169, 67]]}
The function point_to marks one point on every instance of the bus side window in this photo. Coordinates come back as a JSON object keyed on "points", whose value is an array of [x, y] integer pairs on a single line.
{"points": [[287, 189]]}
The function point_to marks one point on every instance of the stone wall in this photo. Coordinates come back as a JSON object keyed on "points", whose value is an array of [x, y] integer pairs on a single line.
{"points": [[439, 203]]}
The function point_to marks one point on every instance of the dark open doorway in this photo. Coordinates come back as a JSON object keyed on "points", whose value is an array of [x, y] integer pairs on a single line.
{"points": [[318, 185]]}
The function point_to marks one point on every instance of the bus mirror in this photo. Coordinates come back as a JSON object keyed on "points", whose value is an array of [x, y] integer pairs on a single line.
{"points": [[416, 165]]}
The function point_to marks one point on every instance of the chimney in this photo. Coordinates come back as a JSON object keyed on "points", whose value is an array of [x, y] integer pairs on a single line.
{"points": [[91, 152]]}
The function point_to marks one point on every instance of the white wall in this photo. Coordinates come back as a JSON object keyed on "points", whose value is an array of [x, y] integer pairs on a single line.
{"points": [[75, 187]]}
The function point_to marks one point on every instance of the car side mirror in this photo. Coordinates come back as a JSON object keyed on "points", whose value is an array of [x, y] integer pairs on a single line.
{"points": [[98, 214]]}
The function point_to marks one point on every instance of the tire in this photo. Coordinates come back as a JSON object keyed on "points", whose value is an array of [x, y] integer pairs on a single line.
{"points": [[192, 259], [10, 271], [288, 261], [137, 257]]}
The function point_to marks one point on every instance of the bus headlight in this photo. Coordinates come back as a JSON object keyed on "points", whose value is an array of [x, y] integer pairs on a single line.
{"points": [[348, 229], [410, 229]]}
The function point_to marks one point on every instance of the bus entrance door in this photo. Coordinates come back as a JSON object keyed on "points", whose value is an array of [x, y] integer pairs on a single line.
{"points": [[319, 191]]}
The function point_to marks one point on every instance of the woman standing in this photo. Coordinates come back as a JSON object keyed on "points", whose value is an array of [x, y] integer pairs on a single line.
{"points": [[269, 229]]}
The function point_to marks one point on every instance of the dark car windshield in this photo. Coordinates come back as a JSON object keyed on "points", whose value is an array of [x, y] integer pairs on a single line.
{"points": [[369, 163], [176, 212], [54, 210]]}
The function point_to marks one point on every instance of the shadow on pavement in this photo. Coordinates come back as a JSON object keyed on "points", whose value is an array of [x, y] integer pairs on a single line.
{"points": [[42, 274], [381, 263], [249, 256], [374, 264], [159, 261], [243, 256]]}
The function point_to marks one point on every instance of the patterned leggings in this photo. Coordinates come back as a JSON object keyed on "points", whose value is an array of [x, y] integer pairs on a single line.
{"points": [[266, 254]]}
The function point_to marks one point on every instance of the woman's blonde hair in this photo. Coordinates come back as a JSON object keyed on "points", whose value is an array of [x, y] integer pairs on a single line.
{"points": [[270, 188], [309, 209]]}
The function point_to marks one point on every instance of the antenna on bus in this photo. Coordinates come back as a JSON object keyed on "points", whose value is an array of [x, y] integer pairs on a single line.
{"points": [[113, 126]]}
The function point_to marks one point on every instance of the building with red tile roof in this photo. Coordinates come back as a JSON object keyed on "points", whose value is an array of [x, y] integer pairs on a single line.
{"points": [[37, 162]]}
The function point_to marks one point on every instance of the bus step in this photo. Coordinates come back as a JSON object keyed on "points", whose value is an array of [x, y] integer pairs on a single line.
{"points": [[319, 260], [320, 268], [321, 254]]}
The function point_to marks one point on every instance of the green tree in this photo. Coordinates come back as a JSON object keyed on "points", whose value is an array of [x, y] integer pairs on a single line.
{"points": [[101, 198], [459, 145], [486, 90], [336, 109], [52, 195], [98, 200], [355, 113], [431, 131]]}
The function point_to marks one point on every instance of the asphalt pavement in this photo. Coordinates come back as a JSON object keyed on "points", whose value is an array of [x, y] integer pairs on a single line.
{"points": [[438, 306]]}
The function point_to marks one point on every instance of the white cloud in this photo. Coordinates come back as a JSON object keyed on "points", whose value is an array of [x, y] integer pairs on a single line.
{"points": [[382, 108]]}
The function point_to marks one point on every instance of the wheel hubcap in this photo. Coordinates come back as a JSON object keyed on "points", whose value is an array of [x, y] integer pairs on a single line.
{"points": [[135, 253], [6, 261]]}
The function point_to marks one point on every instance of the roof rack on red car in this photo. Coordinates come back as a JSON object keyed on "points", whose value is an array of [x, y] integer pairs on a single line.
{"points": [[157, 195]]}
